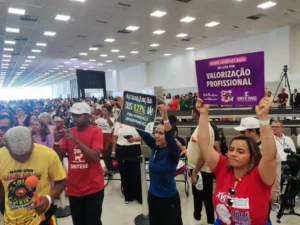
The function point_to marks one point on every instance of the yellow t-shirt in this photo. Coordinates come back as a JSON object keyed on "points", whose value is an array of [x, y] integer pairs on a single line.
{"points": [[43, 163]]}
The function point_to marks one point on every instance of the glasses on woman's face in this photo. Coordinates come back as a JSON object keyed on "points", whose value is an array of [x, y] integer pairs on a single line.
{"points": [[231, 194]]}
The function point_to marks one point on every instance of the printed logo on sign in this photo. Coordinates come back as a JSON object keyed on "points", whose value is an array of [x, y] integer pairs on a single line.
{"points": [[246, 98], [226, 96]]}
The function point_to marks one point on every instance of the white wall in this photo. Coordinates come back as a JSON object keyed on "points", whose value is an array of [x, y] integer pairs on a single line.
{"points": [[295, 50], [132, 78], [109, 81]]}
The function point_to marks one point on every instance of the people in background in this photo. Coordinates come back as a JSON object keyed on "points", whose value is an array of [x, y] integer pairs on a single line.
{"points": [[24, 158], [163, 197], [41, 134], [250, 127], [22, 118], [127, 144], [295, 99], [183, 105], [174, 105], [298, 141], [247, 173], [115, 110], [190, 101], [39, 108], [85, 185], [48, 121], [196, 164], [282, 99], [33, 118], [106, 123]]}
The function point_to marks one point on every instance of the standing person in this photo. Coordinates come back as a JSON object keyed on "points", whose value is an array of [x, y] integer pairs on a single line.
{"points": [[249, 127], [244, 179], [48, 121], [196, 164], [163, 197], [106, 124], [22, 118], [41, 134], [282, 99], [21, 158], [115, 110], [85, 184], [127, 144], [295, 99], [174, 105]]}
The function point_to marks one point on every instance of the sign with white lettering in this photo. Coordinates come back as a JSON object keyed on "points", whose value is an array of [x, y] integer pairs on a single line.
{"points": [[232, 80], [139, 111]]}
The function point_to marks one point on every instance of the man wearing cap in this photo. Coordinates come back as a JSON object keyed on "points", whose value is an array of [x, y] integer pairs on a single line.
{"points": [[85, 184], [250, 128]]}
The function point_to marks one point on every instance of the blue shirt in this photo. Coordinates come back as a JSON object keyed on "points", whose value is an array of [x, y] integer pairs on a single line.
{"points": [[162, 167]]}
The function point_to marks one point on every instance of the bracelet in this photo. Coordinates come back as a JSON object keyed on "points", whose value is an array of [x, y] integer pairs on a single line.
{"points": [[49, 199], [264, 122], [166, 121], [57, 143]]}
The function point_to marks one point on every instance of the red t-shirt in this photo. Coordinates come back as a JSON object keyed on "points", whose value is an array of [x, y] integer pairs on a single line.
{"points": [[251, 200], [84, 176], [174, 106], [282, 97]]}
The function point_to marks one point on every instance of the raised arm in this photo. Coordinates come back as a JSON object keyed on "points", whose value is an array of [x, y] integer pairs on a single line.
{"points": [[147, 138], [210, 156], [267, 165]]}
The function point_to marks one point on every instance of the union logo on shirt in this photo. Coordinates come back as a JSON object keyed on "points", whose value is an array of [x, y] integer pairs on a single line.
{"points": [[193, 139]]}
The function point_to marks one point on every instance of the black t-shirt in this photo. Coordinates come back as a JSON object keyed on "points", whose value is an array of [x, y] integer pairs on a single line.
{"points": [[216, 131], [282, 97], [181, 140]]}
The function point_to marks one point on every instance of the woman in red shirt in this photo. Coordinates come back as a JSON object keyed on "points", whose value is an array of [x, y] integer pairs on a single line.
{"points": [[174, 105], [244, 179]]}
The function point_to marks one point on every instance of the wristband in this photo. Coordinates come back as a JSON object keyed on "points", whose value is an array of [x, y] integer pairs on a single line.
{"points": [[57, 143], [49, 199], [264, 122], [166, 121]]}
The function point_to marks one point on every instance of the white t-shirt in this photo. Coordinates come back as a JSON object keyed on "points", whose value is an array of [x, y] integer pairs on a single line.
{"points": [[193, 150], [298, 140], [104, 125], [122, 130], [281, 144]]}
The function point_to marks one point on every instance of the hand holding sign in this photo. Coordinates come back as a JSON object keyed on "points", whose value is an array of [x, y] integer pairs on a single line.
{"points": [[262, 110]]}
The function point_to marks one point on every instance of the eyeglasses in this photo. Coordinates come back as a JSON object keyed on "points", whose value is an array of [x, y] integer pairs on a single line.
{"points": [[231, 194], [4, 129]]}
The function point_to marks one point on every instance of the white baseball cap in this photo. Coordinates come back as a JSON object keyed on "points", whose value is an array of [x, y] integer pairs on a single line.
{"points": [[81, 108], [248, 123]]}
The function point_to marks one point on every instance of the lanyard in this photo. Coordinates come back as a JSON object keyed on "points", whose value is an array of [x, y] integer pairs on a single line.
{"points": [[284, 145]]}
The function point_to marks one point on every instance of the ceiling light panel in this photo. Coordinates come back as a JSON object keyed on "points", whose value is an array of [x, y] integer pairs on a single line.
{"points": [[16, 11], [159, 32], [62, 17], [134, 52], [83, 54], [31, 57], [115, 50], [187, 19], [103, 55], [108, 61], [92, 60], [267, 5], [109, 40], [78, 0], [8, 49], [41, 44], [36, 50], [10, 42], [190, 48], [181, 35], [49, 33], [167, 54], [12, 30], [132, 28], [212, 24], [158, 13], [122, 56], [93, 49], [154, 45]]}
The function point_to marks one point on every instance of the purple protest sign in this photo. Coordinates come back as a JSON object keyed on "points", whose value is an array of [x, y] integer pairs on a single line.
{"points": [[232, 80]]}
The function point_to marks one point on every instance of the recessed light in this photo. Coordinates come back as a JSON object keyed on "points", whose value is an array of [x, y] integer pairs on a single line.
{"points": [[134, 52], [12, 30], [24, 65], [5, 64], [121, 56], [4, 67], [61, 66], [36, 50], [92, 60], [41, 44], [108, 61], [76, 66], [85, 69], [62, 17], [187, 19], [159, 32], [83, 54], [100, 64], [84, 63], [23, 68], [49, 33], [28, 61], [93, 49], [66, 62], [10, 42], [65, 71], [31, 57], [103, 55], [78, 0], [6, 56], [16, 11], [91, 67], [158, 13], [154, 45], [115, 50], [212, 24], [56, 68], [181, 35], [167, 54], [267, 5], [109, 40], [73, 59], [8, 49], [190, 48], [71, 69], [132, 28], [6, 60]]}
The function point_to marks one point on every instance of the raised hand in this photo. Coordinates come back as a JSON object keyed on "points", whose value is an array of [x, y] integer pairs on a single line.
{"points": [[263, 108], [201, 107], [163, 110]]}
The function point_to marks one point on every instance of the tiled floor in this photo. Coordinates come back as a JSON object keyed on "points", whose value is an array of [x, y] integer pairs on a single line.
{"points": [[115, 212]]}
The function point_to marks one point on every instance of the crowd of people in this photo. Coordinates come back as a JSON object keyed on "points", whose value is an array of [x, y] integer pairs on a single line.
{"points": [[248, 180]]}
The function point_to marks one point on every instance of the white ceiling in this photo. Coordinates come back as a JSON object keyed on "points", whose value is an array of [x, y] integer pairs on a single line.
{"points": [[69, 42]]}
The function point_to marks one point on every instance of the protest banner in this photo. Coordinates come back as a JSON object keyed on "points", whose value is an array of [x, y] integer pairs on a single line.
{"points": [[139, 111], [232, 80]]}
